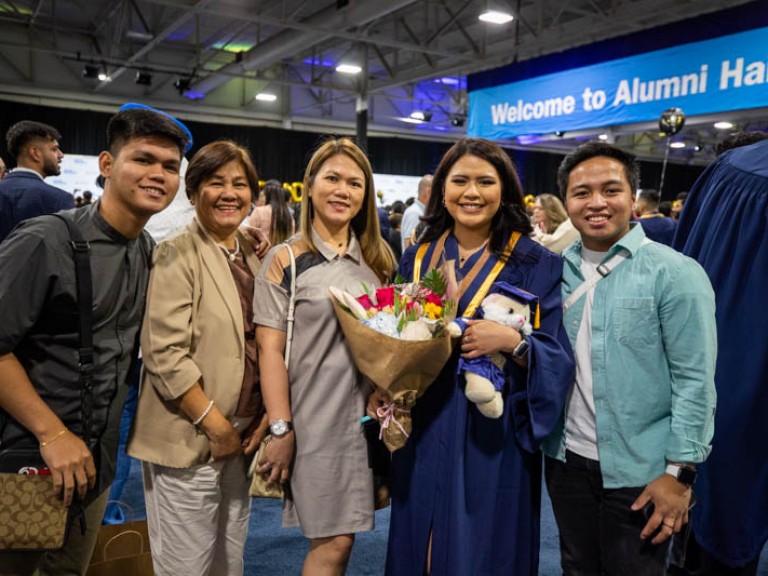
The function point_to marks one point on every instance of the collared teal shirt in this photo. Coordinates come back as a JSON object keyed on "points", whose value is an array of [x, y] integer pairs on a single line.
{"points": [[653, 360]]}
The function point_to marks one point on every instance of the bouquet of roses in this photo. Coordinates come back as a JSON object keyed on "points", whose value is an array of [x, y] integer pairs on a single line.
{"points": [[398, 338]]}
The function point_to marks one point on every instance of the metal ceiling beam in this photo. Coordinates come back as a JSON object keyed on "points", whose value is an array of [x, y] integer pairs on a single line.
{"points": [[152, 44], [287, 43]]}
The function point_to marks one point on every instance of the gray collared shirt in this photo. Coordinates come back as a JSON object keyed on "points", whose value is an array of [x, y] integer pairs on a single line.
{"points": [[40, 321]]}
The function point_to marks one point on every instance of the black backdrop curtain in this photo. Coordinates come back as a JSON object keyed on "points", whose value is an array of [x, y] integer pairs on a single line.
{"points": [[282, 154]]}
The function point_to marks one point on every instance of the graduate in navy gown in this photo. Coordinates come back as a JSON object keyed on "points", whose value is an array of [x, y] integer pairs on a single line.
{"points": [[724, 226], [466, 489]]}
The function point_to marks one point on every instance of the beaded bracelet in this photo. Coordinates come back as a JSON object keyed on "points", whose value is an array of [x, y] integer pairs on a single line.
{"points": [[204, 414], [58, 435]]}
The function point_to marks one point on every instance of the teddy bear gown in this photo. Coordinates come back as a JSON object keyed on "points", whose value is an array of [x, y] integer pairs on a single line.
{"points": [[475, 482]]}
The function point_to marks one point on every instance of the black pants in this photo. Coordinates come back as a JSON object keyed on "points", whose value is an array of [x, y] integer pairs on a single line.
{"points": [[599, 533], [698, 562]]}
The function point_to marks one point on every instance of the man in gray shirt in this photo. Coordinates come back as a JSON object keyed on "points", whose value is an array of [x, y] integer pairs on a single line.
{"points": [[40, 403]]}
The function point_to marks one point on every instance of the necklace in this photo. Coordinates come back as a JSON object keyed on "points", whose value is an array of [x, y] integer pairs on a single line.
{"points": [[232, 254], [463, 259]]}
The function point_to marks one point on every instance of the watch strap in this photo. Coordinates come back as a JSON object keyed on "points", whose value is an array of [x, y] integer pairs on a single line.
{"points": [[684, 474]]}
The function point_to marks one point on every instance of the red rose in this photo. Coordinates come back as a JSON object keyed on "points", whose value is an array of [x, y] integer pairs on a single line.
{"points": [[385, 297], [365, 302], [433, 298]]}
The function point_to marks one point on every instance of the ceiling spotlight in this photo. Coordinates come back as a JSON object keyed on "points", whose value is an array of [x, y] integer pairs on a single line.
{"points": [[723, 125], [677, 145], [349, 69], [496, 17], [419, 115], [603, 137], [559, 133], [143, 78], [458, 121], [90, 71], [266, 97], [410, 120], [182, 84]]}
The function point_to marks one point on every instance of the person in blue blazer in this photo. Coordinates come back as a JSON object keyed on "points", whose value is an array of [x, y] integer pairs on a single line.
{"points": [[23, 192]]}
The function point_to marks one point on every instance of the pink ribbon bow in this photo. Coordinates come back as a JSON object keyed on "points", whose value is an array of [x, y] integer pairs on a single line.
{"points": [[387, 413]]}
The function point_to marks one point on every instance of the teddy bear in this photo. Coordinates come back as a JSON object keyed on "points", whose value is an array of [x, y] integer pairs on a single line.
{"points": [[484, 376]]}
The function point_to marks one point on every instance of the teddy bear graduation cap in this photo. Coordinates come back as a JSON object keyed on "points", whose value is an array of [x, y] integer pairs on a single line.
{"points": [[484, 376]]}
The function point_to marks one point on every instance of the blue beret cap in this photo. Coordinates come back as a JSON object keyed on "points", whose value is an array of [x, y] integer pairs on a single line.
{"points": [[179, 123]]}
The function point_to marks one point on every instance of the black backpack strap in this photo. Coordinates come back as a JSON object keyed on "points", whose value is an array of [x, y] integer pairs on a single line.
{"points": [[81, 250]]}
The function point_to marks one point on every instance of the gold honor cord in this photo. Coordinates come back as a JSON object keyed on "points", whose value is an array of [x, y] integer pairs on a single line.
{"points": [[467, 281]]}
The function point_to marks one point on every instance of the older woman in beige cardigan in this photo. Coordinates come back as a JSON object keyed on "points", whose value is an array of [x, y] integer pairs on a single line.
{"points": [[199, 405]]}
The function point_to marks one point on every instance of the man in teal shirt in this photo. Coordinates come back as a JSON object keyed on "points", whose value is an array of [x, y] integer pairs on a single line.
{"points": [[641, 319]]}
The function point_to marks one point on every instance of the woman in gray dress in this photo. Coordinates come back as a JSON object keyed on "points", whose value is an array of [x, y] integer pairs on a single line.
{"points": [[314, 407]]}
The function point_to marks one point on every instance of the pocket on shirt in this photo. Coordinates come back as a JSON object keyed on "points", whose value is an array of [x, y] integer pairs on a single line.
{"points": [[635, 321]]}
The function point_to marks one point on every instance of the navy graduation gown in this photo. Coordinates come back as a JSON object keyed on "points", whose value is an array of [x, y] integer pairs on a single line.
{"points": [[724, 226], [475, 482]]}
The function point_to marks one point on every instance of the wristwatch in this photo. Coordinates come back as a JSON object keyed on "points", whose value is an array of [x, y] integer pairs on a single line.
{"points": [[683, 474], [521, 350], [279, 428]]}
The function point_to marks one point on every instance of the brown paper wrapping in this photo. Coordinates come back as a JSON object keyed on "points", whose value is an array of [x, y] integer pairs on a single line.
{"points": [[403, 368]]}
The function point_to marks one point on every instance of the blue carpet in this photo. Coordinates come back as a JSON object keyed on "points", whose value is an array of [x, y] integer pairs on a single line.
{"points": [[280, 551]]}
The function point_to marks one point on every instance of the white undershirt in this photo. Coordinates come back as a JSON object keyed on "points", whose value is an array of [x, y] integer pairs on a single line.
{"points": [[580, 426]]}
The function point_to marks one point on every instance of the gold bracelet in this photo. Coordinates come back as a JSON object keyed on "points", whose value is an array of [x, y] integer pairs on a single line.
{"points": [[56, 437]]}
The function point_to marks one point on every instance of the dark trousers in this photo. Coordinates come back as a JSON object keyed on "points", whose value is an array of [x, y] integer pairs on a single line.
{"points": [[599, 533], [699, 562]]}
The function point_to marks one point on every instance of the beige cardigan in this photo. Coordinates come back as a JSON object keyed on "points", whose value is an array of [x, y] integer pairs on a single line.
{"points": [[192, 332]]}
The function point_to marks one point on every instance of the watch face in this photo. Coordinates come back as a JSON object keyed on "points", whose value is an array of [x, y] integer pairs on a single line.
{"points": [[278, 427], [687, 475], [521, 349]]}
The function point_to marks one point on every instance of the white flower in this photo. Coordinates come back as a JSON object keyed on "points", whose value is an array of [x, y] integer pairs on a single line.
{"points": [[417, 330]]}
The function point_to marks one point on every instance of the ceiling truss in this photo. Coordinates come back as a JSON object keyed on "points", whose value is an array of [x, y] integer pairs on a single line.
{"points": [[415, 54]]}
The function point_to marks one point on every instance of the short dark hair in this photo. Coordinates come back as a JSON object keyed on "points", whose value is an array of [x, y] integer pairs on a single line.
{"points": [[398, 207], [594, 149], [140, 123], [21, 133], [511, 216], [213, 156], [650, 196], [739, 139]]}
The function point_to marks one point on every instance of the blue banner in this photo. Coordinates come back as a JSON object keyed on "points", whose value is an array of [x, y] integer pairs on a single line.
{"points": [[726, 73]]}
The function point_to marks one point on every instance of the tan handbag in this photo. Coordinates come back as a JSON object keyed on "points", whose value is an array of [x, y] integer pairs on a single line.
{"points": [[31, 517], [260, 488]]}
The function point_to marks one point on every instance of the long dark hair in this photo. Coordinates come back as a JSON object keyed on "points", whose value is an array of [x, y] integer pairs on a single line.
{"points": [[511, 216], [280, 229]]}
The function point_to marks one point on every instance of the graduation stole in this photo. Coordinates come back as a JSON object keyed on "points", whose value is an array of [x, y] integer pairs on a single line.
{"points": [[438, 247]]}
